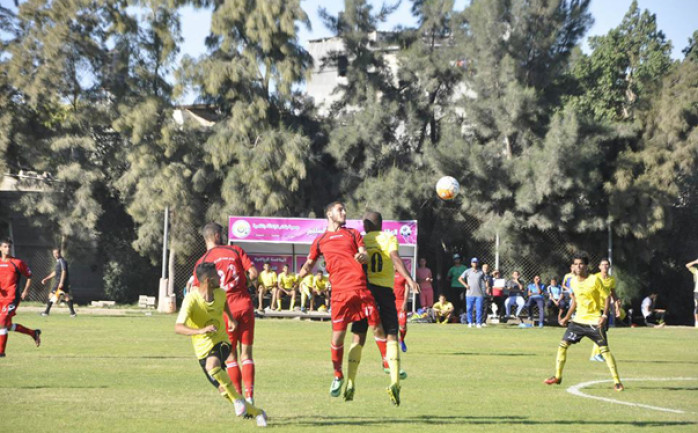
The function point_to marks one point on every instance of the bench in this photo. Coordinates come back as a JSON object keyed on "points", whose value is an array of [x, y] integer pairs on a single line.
{"points": [[145, 301]]}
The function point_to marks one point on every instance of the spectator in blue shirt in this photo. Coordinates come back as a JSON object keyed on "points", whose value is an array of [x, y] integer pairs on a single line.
{"points": [[535, 296], [557, 300]]}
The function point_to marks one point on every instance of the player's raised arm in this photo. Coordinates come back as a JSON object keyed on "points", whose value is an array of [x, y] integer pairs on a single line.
{"points": [[691, 264]]}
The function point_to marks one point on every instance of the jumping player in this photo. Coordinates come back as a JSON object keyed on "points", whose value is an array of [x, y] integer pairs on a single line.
{"points": [[11, 270], [232, 264], [201, 318], [591, 315], [384, 261], [61, 285], [344, 253]]}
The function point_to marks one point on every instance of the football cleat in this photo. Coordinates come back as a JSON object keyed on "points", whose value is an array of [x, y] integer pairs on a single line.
{"points": [[394, 394], [349, 391], [336, 386], [552, 380], [619, 387], [403, 373], [37, 337], [597, 358], [240, 408], [261, 419], [403, 346]]}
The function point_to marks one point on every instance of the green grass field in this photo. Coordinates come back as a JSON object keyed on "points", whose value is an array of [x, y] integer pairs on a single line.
{"points": [[133, 374]]}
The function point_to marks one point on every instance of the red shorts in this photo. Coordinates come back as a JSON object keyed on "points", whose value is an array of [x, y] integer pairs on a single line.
{"points": [[8, 308], [244, 332], [352, 306], [401, 315]]}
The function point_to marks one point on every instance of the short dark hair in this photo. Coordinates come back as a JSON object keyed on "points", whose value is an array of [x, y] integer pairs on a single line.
{"points": [[211, 229], [373, 221], [7, 241], [206, 271], [333, 204], [605, 260], [581, 255]]}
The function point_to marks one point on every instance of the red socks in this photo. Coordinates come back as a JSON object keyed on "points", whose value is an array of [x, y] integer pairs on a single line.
{"points": [[19, 328], [234, 373], [3, 340], [381, 343], [248, 377], [337, 358], [403, 332]]}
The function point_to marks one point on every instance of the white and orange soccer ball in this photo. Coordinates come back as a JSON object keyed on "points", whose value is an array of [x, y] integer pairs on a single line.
{"points": [[447, 188]]}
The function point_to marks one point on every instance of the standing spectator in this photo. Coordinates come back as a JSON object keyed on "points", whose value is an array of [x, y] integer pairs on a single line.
{"points": [[498, 293], [61, 284], [424, 279], [474, 281], [456, 288], [516, 290], [11, 270], [487, 300], [653, 316], [443, 310], [535, 296], [556, 299], [693, 268]]}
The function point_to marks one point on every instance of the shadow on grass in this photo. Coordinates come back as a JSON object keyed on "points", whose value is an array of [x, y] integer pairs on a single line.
{"points": [[644, 361], [427, 420]]}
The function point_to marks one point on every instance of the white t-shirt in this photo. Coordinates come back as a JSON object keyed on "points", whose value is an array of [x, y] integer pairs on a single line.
{"points": [[646, 306]]}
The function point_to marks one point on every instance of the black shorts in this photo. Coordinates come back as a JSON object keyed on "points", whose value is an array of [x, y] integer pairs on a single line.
{"points": [[385, 301], [220, 351], [65, 289], [576, 331]]}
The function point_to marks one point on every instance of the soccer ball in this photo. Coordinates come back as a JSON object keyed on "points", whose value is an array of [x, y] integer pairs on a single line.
{"points": [[447, 188], [405, 231]]}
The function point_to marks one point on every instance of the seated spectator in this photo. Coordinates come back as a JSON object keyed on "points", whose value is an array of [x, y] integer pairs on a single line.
{"points": [[306, 287], [557, 299], [443, 310], [515, 289], [267, 283], [535, 296], [653, 316], [321, 291], [286, 286], [498, 294]]}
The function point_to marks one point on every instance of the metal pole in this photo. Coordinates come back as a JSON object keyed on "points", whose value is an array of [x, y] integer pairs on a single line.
{"points": [[164, 243], [12, 238], [496, 250]]}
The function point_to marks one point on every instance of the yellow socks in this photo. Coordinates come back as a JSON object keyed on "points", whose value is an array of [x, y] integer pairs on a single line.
{"points": [[611, 362], [353, 359], [393, 356], [293, 303], [223, 379], [561, 358]]}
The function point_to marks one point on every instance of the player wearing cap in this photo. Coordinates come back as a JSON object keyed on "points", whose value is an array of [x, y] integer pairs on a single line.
{"points": [[474, 281]]}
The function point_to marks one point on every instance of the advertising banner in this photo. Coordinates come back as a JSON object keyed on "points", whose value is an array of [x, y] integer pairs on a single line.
{"points": [[276, 261], [304, 230]]}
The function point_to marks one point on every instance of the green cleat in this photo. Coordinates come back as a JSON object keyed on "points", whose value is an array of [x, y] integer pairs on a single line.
{"points": [[336, 387], [394, 394], [403, 373], [349, 391]]}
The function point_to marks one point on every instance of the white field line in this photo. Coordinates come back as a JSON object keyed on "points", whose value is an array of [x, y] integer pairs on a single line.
{"points": [[576, 390]]}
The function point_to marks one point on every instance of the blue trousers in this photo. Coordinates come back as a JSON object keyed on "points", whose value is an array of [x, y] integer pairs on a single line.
{"points": [[477, 302], [540, 301]]}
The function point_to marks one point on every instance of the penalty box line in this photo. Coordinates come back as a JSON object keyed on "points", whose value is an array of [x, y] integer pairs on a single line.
{"points": [[577, 390]]}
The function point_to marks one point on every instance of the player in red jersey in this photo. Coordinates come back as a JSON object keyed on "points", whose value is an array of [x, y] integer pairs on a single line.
{"points": [[351, 301], [401, 306], [232, 264], [11, 270]]}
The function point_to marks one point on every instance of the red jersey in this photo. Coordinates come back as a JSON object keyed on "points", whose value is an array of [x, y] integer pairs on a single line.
{"points": [[338, 248], [231, 263], [10, 272], [399, 288]]}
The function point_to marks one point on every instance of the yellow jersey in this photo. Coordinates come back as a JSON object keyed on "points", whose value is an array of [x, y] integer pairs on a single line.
{"points": [[287, 281], [379, 245], [589, 296], [196, 313], [440, 308], [321, 284], [268, 279], [608, 283]]}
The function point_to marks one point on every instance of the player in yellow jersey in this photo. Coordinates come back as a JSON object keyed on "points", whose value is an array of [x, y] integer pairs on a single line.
{"points": [[287, 283], [383, 261], [609, 283], [201, 318], [321, 289], [267, 282], [591, 315], [306, 287]]}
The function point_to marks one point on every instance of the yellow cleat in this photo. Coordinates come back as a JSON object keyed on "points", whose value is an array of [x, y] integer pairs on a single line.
{"points": [[394, 394]]}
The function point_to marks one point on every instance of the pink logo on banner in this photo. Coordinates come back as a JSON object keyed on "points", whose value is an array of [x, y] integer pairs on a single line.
{"points": [[304, 230], [276, 262]]}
